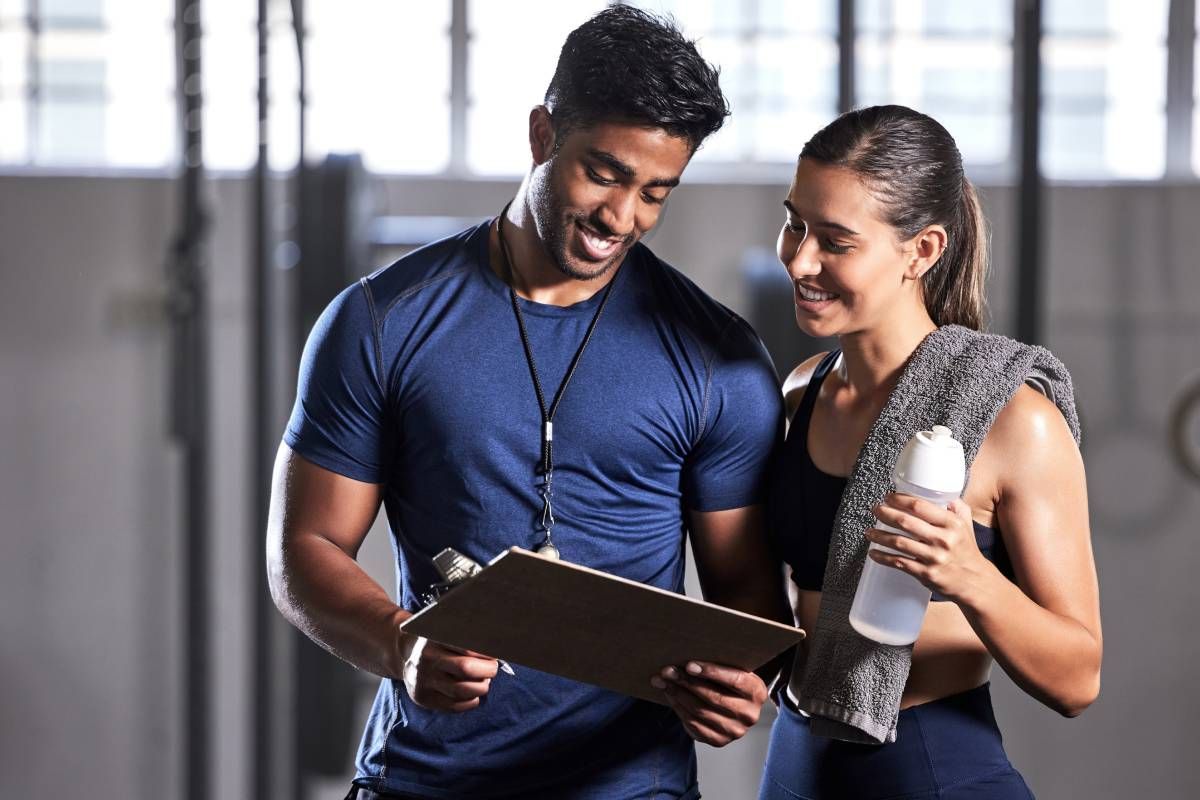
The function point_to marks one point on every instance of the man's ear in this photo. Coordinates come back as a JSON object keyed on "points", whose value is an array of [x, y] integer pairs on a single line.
{"points": [[927, 247], [541, 135]]}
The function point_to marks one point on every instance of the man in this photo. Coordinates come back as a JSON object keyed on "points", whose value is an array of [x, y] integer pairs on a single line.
{"points": [[541, 381]]}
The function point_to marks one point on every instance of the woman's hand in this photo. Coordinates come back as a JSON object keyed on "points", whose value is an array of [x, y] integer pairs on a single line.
{"points": [[939, 547]]}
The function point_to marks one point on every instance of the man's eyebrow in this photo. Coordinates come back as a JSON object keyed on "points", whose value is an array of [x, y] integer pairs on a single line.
{"points": [[612, 162], [820, 223], [619, 166]]}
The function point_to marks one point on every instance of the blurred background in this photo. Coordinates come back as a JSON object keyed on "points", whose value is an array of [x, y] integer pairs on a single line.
{"points": [[184, 185]]}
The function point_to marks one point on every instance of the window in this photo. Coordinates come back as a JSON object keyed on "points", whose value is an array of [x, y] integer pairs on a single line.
{"points": [[379, 82], [950, 59], [779, 65], [1104, 75], [87, 83], [1196, 94], [513, 49], [229, 63]]}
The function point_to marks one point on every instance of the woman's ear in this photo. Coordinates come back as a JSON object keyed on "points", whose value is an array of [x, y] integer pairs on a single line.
{"points": [[926, 248], [541, 135]]}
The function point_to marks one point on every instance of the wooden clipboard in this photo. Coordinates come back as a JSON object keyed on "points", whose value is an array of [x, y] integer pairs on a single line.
{"points": [[589, 626]]}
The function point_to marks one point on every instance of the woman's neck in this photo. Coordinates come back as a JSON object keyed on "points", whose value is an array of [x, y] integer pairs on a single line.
{"points": [[873, 359]]}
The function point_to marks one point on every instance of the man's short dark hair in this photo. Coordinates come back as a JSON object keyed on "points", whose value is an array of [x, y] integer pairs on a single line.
{"points": [[627, 65]]}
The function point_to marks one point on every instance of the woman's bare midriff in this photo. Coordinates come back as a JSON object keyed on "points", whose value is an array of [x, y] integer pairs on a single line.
{"points": [[948, 657]]}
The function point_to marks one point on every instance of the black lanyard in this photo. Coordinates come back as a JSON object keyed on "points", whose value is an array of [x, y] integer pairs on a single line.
{"points": [[546, 465]]}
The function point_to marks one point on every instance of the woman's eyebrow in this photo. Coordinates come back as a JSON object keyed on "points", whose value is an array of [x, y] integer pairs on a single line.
{"points": [[820, 223]]}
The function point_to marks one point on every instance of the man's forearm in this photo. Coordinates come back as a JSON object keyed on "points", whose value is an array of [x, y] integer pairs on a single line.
{"points": [[327, 595], [764, 598]]}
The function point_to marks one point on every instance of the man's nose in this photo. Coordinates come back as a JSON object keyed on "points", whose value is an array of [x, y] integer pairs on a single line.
{"points": [[619, 213]]}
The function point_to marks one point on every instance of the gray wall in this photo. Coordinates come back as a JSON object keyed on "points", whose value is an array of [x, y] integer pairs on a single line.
{"points": [[90, 602]]}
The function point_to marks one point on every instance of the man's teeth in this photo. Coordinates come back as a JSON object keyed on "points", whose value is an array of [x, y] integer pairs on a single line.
{"points": [[596, 243], [813, 294]]}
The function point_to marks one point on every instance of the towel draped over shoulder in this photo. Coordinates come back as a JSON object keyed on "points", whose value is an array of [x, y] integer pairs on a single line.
{"points": [[850, 685]]}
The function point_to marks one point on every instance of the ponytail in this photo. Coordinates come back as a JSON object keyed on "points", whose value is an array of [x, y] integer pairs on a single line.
{"points": [[953, 288]]}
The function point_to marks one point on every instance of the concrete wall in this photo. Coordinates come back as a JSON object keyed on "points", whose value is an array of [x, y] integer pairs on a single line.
{"points": [[90, 604]]}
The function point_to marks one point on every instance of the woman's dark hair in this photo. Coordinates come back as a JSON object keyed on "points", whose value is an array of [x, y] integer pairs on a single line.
{"points": [[625, 64], [912, 167]]}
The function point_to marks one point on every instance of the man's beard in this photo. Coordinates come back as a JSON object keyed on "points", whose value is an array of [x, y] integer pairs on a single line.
{"points": [[551, 222]]}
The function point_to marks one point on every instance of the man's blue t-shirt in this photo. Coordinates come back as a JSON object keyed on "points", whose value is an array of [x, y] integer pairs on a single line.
{"points": [[415, 378]]}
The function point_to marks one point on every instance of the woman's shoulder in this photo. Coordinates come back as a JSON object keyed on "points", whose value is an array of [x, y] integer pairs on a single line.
{"points": [[1030, 417], [797, 382], [1031, 437]]}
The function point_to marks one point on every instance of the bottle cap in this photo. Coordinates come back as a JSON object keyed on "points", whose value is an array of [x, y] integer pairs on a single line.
{"points": [[933, 460]]}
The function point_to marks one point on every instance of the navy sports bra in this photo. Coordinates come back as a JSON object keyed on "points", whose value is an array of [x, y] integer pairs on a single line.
{"points": [[803, 501]]}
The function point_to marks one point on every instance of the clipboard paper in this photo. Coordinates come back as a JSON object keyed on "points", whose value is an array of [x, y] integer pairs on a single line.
{"points": [[589, 626]]}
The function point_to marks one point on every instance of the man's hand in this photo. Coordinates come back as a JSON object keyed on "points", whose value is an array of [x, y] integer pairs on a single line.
{"points": [[443, 678], [717, 704]]}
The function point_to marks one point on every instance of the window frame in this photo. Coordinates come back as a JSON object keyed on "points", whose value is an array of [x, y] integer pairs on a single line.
{"points": [[1182, 154]]}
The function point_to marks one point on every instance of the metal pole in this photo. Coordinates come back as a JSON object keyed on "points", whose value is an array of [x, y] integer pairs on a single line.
{"points": [[1027, 60], [845, 37], [189, 406], [292, 768], [1181, 41], [263, 700], [460, 33], [35, 92], [300, 30]]}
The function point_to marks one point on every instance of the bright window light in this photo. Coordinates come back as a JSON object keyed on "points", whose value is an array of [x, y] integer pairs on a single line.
{"points": [[948, 59], [379, 83], [509, 68], [1104, 74], [778, 62]]}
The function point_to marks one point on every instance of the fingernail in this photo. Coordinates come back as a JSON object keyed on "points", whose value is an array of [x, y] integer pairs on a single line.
{"points": [[658, 683], [671, 673], [694, 668]]}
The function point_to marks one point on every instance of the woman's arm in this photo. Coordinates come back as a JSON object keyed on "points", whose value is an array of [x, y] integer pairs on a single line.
{"points": [[1045, 630]]}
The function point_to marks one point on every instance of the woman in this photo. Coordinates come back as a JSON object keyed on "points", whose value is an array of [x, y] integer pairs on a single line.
{"points": [[885, 244]]}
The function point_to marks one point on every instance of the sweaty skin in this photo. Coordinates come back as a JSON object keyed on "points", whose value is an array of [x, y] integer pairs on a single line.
{"points": [[855, 280]]}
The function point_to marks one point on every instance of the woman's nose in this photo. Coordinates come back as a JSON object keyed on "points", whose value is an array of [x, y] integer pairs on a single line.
{"points": [[798, 254]]}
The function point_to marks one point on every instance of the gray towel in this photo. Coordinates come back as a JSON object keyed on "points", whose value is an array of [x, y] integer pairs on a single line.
{"points": [[850, 685]]}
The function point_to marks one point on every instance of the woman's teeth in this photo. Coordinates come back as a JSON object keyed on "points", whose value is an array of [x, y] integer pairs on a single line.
{"points": [[813, 294]]}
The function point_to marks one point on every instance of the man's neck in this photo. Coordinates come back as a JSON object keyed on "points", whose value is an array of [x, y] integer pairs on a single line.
{"points": [[532, 272]]}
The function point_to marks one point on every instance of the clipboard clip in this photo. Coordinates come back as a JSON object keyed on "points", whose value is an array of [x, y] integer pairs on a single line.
{"points": [[454, 568]]}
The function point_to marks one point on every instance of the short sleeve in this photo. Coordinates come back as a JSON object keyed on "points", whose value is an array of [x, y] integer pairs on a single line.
{"points": [[338, 420], [743, 422]]}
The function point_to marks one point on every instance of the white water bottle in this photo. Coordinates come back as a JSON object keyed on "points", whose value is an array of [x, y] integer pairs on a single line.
{"points": [[889, 605]]}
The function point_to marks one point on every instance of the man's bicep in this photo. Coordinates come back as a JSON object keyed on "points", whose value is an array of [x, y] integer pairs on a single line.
{"points": [[340, 418], [730, 546], [307, 499], [728, 467]]}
